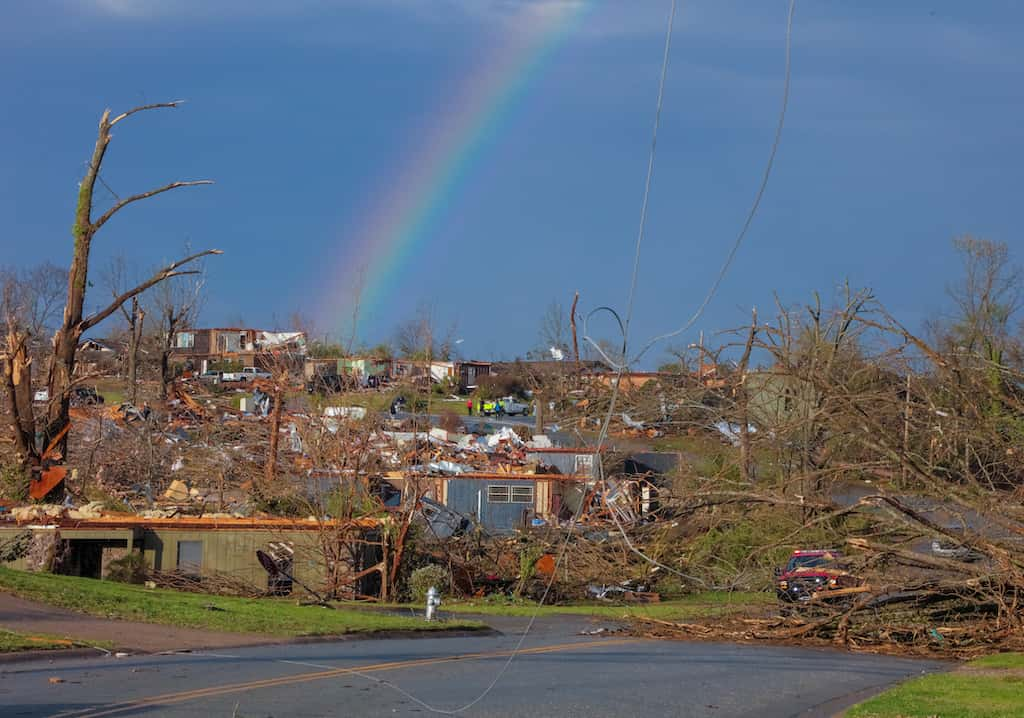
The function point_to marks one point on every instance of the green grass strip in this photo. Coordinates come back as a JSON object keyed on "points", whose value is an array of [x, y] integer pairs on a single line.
{"points": [[276, 617]]}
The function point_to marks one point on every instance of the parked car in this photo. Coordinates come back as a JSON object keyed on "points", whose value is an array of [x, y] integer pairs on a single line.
{"points": [[85, 396], [947, 548], [252, 372], [505, 405], [810, 573], [247, 374], [325, 384], [211, 376]]}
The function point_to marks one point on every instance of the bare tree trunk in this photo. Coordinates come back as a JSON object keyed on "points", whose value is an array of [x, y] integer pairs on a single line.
{"points": [[167, 342], [135, 322], [270, 469], [74, 324], [18, 384], [743, 402], [61, 365]]}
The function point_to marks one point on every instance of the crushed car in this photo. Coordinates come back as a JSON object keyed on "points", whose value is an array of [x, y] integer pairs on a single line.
{"points": [[811, 574]]}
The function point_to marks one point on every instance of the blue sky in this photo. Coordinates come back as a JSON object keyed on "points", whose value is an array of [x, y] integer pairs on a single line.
{"points": [[904, 130]]}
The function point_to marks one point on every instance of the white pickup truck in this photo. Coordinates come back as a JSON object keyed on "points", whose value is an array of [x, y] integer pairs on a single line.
{"points": [[247, 374], [505, 405]]}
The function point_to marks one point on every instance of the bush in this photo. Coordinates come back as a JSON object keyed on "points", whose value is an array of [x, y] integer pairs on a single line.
{"points": [[426, 576], [130, 568], [14, 480], [15, 547]]}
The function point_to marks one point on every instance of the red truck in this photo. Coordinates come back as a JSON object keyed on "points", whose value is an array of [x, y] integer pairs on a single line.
{"points": [[811, 573]]}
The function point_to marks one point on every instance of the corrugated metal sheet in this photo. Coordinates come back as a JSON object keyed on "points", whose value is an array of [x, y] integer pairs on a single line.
{"points": [[469, 496], [581, 463]]}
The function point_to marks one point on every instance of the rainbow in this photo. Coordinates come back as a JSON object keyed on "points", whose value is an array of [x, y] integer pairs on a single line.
{"points": [[380, 244]]}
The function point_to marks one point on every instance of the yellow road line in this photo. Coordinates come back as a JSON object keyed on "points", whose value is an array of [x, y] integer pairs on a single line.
{"points": [[212, 691]]}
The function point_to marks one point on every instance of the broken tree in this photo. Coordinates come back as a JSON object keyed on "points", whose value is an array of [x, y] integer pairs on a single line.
{"points": [[61, 364]]}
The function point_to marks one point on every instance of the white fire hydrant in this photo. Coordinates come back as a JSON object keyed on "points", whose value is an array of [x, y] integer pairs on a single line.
{"points": [[433, 601]]}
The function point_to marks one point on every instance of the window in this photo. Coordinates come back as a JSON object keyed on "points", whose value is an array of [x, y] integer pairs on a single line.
{"points": [[190, 557], [584, 464], [185, 340], [497, 494], [510, 494], [522, 494]]}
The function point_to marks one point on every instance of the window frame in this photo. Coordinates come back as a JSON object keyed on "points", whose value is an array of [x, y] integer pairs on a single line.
{"points": [[521, 488], [494, 492], [511, 494]]}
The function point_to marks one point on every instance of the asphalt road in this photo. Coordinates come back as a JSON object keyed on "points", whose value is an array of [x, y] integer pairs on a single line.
{"points": [[559, 673], [475, 422]]}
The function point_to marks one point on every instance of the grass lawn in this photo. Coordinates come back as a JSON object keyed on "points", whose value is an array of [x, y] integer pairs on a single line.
{"points": [[112, 390], [990, 687], [700, 605], [369, 400], [11, 642], [380, 401], [280, 617]]}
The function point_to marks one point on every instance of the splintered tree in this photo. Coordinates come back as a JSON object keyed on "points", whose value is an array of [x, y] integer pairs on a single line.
{"points": [[54, 423]]}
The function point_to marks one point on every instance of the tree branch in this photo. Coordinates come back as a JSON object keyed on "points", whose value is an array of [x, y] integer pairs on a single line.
{"points": [[141, 108], [165, 273], [144, 195]]}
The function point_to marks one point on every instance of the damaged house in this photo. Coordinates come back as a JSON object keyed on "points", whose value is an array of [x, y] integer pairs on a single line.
{"points": [[248, 347], [205, 547]]}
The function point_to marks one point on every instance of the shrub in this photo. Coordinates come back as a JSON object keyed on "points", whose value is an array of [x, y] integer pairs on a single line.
{"points": [[130, 568], [15, 547], [14, 480], [426, 576]]}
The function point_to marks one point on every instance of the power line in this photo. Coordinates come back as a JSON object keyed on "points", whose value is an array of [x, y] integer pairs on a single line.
{"points": [[604, 432], [757, 197], [621, 366]]}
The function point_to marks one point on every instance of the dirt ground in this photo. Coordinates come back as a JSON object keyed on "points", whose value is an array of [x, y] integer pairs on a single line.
{"points": [[27, 617]]}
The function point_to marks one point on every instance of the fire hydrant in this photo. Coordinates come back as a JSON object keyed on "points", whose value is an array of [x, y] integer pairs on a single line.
{"points": [[433, 601]]}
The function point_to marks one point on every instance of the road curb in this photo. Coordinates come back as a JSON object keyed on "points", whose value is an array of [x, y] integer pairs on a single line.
{"points": [[49, 654]]}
